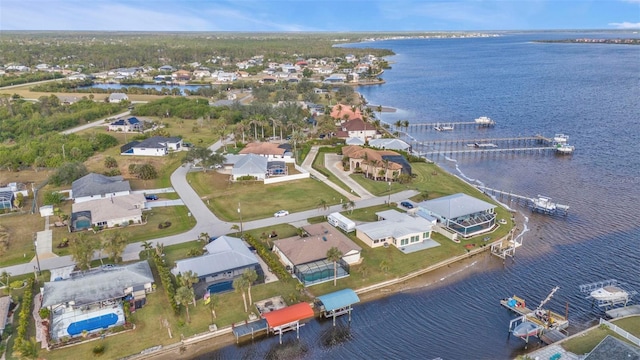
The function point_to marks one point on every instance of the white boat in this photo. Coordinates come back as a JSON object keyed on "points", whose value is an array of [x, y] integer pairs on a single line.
{"points": [[560, 138], [544, 204], [443, 127], [564, 148], [485, 145], [526, 329], [610, 293], [484, 120]]}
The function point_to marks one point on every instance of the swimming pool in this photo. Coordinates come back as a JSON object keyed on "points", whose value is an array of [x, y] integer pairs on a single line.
{"points": [[100, 322]]}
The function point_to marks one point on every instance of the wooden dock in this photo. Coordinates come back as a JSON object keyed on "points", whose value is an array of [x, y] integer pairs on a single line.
{"points": [[455, 124], [537, 144]]}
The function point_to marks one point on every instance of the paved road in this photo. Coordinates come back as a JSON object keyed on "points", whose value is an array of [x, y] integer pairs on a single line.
{"points": [[207, 222], [307, 164], [95, 123]]}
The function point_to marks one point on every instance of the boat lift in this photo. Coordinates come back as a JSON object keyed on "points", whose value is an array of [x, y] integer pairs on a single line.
{"points": [[527, 325], [623, 299]]}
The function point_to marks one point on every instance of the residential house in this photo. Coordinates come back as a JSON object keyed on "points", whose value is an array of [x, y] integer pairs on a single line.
{"points": [[225, 259], [350, 58], [77, 77], [181, 75], [271, 151], [613, 348], [6, 305], [226, 76], [68, 99], [464, 214], [153, 146], [201, 73], [389, 144], [93, 300], [118, 97], [167, 68], [306, 256], [108, 212], [335, 79], [131, 124], [97, 186], [379, 164], [6, 198], [250, 165], [398, 229], [42, 67], [357, 128]]}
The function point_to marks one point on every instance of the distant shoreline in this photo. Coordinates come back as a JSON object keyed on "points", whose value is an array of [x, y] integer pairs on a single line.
{"points": [[626, 41]]}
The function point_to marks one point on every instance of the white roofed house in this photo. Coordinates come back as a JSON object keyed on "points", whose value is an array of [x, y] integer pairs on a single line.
{"points": [[390, 144], [118, 97], [226, 258], [250, 165], [153, 146], [464, 214], [406, 232], [109, 212]]}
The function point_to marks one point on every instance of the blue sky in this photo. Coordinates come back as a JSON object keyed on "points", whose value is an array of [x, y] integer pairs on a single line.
{"points": [[307, 15]]}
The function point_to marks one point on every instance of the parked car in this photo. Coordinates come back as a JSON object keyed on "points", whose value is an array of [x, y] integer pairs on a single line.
{"points": [[281, 213], [407, 204], [151, 197]]}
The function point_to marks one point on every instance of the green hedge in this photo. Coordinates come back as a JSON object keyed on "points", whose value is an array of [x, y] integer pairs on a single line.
{"points": [[167, 282], [270, 258], [23, 319]]}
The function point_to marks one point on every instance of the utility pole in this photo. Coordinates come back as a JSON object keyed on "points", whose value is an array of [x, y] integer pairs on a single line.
{"points": [[35, 247], [240, 213], [389, 197]]}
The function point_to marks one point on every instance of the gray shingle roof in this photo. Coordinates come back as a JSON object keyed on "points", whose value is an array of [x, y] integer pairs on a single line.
{"points": [[613, 348], [395, 224], [157, 142], [392, 144], [250, 164], [455, 205], [97, 184], [223, 254], [97, 284]]}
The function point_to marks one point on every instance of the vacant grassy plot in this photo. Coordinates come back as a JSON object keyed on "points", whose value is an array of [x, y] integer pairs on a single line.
{"points": [[585, 343], [378, 188], [21, 230], [257, 200]]}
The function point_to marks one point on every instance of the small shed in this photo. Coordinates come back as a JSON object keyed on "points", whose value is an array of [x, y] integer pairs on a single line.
{"points": [[342, 222], [338, 303], [288, 318]]}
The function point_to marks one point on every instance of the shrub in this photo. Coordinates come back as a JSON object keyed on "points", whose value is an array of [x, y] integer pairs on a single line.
{"points": [[44, 313], [98, 349]]}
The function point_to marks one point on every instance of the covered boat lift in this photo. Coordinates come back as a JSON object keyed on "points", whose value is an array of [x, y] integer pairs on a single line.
{"points": [[338, 303], [288, 318], [251, 328]]}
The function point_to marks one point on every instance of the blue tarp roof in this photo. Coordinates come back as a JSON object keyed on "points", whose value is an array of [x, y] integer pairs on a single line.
{"points": [[339, 299]]}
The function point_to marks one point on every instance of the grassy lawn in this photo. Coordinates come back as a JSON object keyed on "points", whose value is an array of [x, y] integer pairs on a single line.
{"points": [[585, 343], [378, 188], [257, 200]]}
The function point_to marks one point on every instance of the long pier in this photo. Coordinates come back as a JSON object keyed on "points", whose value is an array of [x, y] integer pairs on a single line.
{"points": [[524, 144], [541, 204], [436, 125]]}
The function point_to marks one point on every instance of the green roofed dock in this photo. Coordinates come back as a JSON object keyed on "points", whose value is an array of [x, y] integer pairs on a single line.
{"points": [[337, 303]]}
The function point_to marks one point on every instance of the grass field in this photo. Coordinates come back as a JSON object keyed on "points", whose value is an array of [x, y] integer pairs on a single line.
{"points": [[256, 199]]}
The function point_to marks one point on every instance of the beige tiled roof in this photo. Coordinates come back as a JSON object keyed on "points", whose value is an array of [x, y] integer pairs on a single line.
{"points": [[322, 237], [116, 207]]}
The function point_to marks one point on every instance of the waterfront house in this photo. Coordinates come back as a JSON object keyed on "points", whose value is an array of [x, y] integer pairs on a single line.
{"points": [[389, 144], [225, 259], [153, 146], [378, 164], [97, 186], [306, 256], [464, 214], [92, 300], [398, 229], [6, 305], [356, 128], [181, 75]]}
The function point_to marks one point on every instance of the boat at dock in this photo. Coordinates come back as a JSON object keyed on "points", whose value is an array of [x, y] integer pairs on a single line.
{"points": [[484, 120], [443, 127], [565, 148], [543, 204], [560, 138], [608, 293]]}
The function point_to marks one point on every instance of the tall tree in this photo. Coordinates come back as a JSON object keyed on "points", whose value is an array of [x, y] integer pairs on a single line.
{"points": [[334, 255], [113, 243], [323, 205], [82, 248], [183, 296], [147, 245], [188, 278], [238, 285], [250, 276]]}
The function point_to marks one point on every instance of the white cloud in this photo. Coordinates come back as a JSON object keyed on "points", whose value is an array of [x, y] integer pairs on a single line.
{"points": [[626, 25]]}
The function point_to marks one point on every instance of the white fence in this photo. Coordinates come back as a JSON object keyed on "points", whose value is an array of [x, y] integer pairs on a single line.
{"points": [[618, 330], [277, 179]]}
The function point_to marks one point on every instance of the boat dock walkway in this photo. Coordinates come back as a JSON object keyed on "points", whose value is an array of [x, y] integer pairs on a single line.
{"points": [[436, 125], [525, 144], [542, 204], [551, 336]]}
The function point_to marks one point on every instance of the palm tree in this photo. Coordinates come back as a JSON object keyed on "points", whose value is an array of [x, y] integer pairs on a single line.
{"points": [[213, 302], [298, 138], [114, 245], [147, 245], [323, 205], [398, 124], [386, 169], [250, 276], [203, 237], [255, 124], [188, 278], [352, 205], [405, 123], [235, 228], [160, 249], [183, 296], [334, 254], [238, 285], [384, 266]]}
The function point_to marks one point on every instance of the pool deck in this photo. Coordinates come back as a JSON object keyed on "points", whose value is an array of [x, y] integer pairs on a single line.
{"points": [[61, 321]]}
